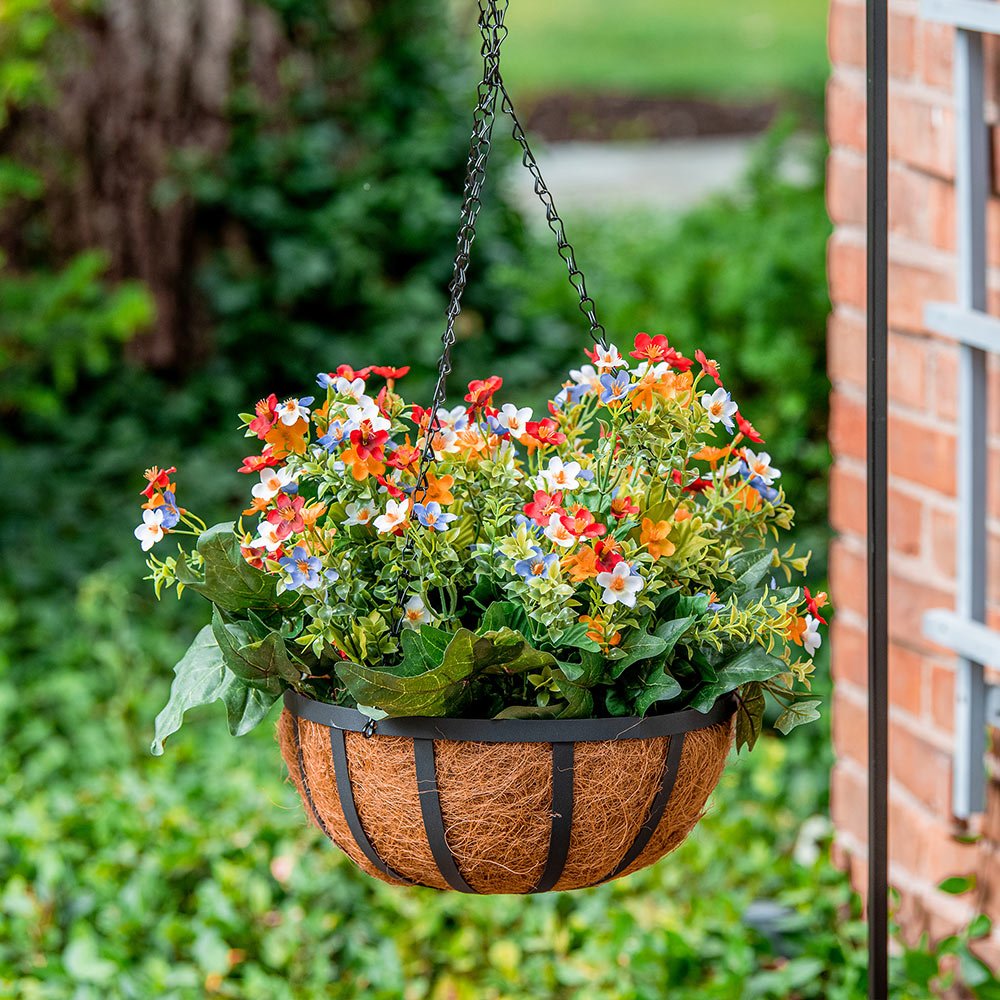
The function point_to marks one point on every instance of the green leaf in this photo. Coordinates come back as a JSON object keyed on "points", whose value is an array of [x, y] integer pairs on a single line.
{"points": [[638, 646], [797, 714], [262, 663], [752, 664], [227, 579], [423, 650], [749, 569], [958, 884], [579, 701], [442, 688], [749, 716], [657, 685], [981, 926], [576, 637], [201, 677], [670, 632], [504, 614]]}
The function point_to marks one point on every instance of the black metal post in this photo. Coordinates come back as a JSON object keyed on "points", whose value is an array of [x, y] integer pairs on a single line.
{"points": [[878, 585]]}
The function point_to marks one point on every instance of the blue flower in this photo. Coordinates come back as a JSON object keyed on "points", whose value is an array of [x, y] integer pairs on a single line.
{"points": [[431, 516], [768, 493], [615, 387], [535, 565], [302, 569], [326, 380], [496, 427], [171, 515], [521, 520], [334, 435]]}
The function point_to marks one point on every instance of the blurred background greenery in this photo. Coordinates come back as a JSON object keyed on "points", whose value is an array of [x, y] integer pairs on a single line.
{"points": [[205, 202]]}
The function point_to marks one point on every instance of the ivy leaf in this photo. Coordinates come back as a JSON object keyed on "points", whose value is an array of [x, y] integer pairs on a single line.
{"points": [[423, 650], [749, 716], [797, 714], [505, 614], [752, 664], [588, 672], [201, 677], [639, 646], [670, 632], [442, 687], [227, 580], [749, 569], [262, 663], [657, 685], [575, 637], [579, 701]]}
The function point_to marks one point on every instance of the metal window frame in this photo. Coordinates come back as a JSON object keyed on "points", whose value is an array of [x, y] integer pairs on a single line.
{"points": [[963, 631]]}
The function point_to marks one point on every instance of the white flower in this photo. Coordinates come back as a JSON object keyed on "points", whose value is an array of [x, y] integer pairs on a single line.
{"points": [[291, 411], [415, 613], [269, 539], [513, 419], [587, 375], [811, 639], [648, 368], [396, 512], [366, 409], [272, 482], [151, 530], [457, 418], [560, 477], [760, 465], [345, 387], [444, 442], [608, 359], [620, 585], [720, 407], [558, 532], [358, 513]]}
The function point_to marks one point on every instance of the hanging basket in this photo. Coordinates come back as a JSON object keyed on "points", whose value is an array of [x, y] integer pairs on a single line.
{"points": [[503, 806]]}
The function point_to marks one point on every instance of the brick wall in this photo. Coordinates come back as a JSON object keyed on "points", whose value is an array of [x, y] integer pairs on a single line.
{"points": [[922, 412]]}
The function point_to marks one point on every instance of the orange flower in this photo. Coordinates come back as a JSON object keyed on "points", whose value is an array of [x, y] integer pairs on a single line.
{"points": [[288, 438], [257, 506], [713, 455], [438, 490], [312, 513], [795, 629], [747, 497], [581, 565], [598, 631], [654, 537], [362, 468]]}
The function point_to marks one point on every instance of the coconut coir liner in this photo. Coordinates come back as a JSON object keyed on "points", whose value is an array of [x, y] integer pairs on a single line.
{"points": [[496, 801]]}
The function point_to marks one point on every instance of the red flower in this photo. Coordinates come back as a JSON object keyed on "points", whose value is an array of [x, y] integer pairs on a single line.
{"points": [[657, 349], [389, 373], [608, 556], [158, 479], [813, 604], [544, 431], [699, 485], [747, 429], [582, 524], [393, 490], [254, 463], [287, 515], [346, 371], [481, 391], [267, 414], [368, 443], [543, 506], [709, 367], [421, 417], [404, 457], [622, 507]]}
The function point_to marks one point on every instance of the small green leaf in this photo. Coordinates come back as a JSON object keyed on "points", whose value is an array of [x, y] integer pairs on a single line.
{"points": [[748, 568], [749, 716], [262, 663], [797, 714], [957, 884]]}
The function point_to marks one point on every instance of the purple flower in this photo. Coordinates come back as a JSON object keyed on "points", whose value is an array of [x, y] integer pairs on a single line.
{"points": [[430, 515], [302, 569], [615, 387], [535, 565]]}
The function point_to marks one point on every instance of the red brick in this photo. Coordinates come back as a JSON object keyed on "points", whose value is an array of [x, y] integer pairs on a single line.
{"points": [[941, 214], [909, 601], [845, 111], [935, 45], [846, 34], [911, 287], [845, 348], [921, 132], [845, 188], [849, 726], [922, 454], [848, 433], [906, 524], [907, 359], [846, 264], [847, 579], [850, 660], [942, 694], [902, 46], [847, 514], [944, 389], [922, 768], [906, 679], [943, 540], [849, 802]]}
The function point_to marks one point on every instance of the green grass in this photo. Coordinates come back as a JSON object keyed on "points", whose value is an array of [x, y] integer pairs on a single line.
{"points": [[725, 48]]}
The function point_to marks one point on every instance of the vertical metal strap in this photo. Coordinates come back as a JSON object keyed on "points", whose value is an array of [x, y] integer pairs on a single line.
{"points": [[877, 478], [671, 765], [305, 780], [342, 774], [971, 196], [430, 808], [562, 816]]}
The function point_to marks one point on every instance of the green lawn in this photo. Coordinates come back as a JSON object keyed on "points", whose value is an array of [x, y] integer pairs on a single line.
{"points": [[722, 48]]}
